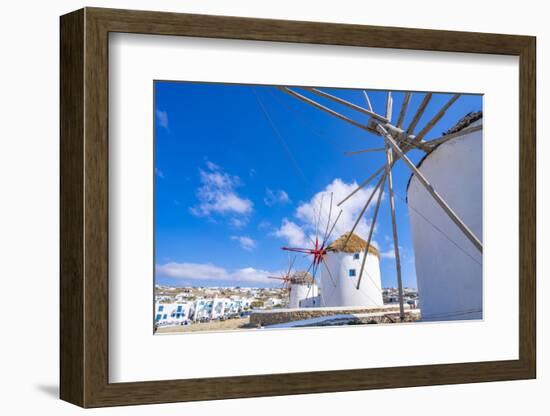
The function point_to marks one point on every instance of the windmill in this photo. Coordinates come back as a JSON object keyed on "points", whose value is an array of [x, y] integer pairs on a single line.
{"points": [[397, 142], [286, 277], [319, 245]]}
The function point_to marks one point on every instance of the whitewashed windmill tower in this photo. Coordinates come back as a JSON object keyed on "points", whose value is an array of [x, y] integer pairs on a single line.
{"points": [[342, 266], [300, 286], [303, 291], [343, 261], [434, 279], [447, 267]]}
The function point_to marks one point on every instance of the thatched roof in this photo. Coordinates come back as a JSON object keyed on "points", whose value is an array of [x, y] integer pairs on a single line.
{"points": [[464, 122], [301, 278], [354, 245]]}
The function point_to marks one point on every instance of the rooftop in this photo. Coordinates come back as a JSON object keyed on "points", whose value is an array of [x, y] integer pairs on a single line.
{"points": [[354, 245]]}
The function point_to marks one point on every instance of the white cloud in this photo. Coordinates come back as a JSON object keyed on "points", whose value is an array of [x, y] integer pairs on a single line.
{"points": [[275, 197], [390, 254], [246, 242], [307, 214], [217, 195], [162, 118], [292, 233], [250, 274], [238, 222], [159, 173], [264, 225], [207, 271], [212, 166]]}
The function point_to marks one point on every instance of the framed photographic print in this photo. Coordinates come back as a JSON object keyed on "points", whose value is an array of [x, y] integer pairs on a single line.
{"points": [[256, 207]]}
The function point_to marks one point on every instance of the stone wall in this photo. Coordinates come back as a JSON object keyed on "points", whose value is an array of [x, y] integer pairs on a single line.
{"points": [[271, 317]]}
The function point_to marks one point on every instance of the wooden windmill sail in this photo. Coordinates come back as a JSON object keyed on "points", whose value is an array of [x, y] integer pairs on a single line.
{"points": [[319, 245], [398, 140], [286, 277]]}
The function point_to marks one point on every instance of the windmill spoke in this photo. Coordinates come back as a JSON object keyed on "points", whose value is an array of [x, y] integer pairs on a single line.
{"points": [[389, 106], [439, 140], [389, 156], [328, 221], [369, 105], [403, 111], [329, 273], [362, 185], [323, 108], [318, 221], [290, 264], [347, 104], [313, 274], [409, 144], [371, 230], [419, 112], [356, 152], [436, 118], [306, 273], [363, 211], [297, 249], [311, 239], [452, 215], [333, 226]]}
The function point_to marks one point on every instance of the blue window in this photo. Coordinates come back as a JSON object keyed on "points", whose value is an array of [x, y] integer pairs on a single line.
{"points": [[178, 315], [158, 317], [355, 256], [161, 308], [351, 272], [165, 316], [179, 308]]}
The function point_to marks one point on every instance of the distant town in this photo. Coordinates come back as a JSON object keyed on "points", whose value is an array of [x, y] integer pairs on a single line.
{"points": [[191, 309]]}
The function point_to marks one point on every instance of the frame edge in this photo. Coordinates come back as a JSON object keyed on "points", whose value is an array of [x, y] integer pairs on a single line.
{"points": [[71, 290]]}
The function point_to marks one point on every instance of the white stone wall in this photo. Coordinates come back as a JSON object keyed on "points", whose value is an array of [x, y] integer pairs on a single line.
{"points": [[343, 290], [449, 278]]}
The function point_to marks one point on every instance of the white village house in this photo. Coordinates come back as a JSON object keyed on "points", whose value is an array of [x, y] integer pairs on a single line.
{"points": [[182, 312], [173, 313]]}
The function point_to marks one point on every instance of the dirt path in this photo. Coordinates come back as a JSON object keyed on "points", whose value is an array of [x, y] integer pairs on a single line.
{"points": [[207, 326]]}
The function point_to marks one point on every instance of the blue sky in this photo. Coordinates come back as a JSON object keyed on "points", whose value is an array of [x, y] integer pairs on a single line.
{"points": [[235, 183]]}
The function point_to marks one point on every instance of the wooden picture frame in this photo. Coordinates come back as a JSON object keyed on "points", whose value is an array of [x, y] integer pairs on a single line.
{"points": [[84, 207]]}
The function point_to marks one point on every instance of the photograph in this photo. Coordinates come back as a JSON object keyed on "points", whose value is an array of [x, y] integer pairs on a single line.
{"points": [[295, 206]]}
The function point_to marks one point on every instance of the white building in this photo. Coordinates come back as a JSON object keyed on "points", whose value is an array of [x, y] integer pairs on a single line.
{"points": [[339, 282], [219, 307], [183, 296], [203, 309], [303, 291], [177, 313], [448, 266]]}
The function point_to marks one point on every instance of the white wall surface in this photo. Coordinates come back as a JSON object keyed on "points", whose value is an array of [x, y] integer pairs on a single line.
{"points": [[339, 289], [29, 206], [301, 292], [448, 266]]}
